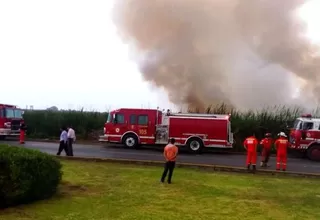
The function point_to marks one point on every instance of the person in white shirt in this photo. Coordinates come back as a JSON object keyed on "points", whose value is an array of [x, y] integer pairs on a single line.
{"points": [[71, 140]]}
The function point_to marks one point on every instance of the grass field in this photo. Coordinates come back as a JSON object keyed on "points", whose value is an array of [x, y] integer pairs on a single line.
{"points": [[92, 191]]}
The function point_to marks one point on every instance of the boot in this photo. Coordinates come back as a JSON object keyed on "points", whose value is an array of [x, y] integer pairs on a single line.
{"points": [[261, 164], [254, 168], [248, 167]]}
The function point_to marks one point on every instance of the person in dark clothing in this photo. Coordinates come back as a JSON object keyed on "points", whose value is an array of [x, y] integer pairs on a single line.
{"points": [[170, 153], [63, 141], [71, 140]]}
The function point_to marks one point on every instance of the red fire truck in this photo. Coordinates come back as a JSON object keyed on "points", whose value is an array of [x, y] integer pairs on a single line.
{"points": [[10, 119], [135, 127], [305, 136]]}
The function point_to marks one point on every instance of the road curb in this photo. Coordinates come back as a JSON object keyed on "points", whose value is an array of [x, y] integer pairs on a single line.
{"points": [[209, 168], [97, 143]]}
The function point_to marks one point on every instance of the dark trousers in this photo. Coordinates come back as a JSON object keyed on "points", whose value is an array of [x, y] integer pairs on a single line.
{"points": [[169, 166], [63, 146], [70, 147]]}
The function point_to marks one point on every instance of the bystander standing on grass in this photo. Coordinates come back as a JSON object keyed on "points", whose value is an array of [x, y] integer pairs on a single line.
{"points": [[170, 153]]}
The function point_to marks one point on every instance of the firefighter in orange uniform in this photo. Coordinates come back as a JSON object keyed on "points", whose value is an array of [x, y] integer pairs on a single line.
{"points": [[23, 129], [281, 145], [266, 149], [250, 144]]}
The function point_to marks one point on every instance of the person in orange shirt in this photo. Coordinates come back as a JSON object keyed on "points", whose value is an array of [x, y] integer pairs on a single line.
{"points": [[250, 144], [170, 154], [266, 149], [281, 145]]}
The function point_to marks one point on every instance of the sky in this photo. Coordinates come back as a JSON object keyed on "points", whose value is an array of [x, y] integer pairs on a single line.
{"points": [[67, 54]]}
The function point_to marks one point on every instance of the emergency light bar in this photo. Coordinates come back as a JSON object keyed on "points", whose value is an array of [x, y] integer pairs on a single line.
{"points": [[306, 116]]}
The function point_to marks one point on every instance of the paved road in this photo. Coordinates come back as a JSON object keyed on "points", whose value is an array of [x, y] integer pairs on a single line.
{"points": [[81, 150]]}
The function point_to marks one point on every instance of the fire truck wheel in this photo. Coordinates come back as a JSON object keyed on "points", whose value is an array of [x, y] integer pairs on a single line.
{"points": [[130, 141], [2, 137], [195, 145], [314, 152]]}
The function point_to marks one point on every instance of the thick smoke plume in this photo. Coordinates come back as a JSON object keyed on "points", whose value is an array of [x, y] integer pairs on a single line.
{"points": [[245, 53]]}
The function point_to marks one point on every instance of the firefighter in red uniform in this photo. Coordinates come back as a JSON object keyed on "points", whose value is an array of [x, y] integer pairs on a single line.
{"points": [[266, 149], [250, 144], [23, 129], [281, 145]]}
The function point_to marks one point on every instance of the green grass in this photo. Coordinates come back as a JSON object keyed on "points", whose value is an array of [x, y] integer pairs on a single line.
{"points": [[112, 191]]}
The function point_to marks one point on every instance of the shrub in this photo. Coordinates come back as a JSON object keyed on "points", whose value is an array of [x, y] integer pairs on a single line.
{"points": [[47, 124], [26, 175]]}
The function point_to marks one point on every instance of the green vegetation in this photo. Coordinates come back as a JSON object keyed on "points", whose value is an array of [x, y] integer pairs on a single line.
{"points": [[47, 124], [99, 191], [26, 175], [89, 125]]}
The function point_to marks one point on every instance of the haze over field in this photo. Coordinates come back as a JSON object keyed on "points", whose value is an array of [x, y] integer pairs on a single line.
{"points": [[74, 53], [244, 53]]}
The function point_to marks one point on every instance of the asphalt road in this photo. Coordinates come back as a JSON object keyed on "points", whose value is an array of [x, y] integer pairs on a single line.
{"points": [[100, 151]]}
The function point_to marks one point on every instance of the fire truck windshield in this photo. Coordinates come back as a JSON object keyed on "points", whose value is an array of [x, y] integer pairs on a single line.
{"points": [[109, 120], [13, 113], [297, 124]]}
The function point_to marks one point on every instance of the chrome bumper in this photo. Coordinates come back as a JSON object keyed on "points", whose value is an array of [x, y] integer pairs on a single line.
{"points": [[103, 138], [9, 132]]}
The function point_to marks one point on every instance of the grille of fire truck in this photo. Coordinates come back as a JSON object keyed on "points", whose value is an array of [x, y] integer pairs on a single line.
{"points": [[15, 125]]}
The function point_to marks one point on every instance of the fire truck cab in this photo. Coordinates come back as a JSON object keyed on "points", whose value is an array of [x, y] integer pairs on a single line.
{"points": [[305, 136], [11, 118], [135, 127]]}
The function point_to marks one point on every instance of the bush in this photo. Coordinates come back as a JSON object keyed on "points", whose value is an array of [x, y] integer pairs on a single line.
{"points": [[26, 175], [47, 124]]}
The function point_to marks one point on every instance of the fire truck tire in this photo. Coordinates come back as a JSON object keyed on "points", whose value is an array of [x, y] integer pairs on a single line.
{"points": [[195, 145], [313, 152], [130, 141]]}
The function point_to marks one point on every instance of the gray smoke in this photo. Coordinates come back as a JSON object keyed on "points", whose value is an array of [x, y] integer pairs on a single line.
{"points": [[245, 53]]}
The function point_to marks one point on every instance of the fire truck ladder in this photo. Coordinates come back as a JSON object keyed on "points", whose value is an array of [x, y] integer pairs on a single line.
{"points": [[199, 115]]}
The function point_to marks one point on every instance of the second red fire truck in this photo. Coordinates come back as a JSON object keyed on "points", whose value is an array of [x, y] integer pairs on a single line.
{"points": [[135, 127], [305, 136], [11, 118]]}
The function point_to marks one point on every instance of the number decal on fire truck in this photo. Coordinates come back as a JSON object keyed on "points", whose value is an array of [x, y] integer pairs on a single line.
{"points": [[142, 131]]}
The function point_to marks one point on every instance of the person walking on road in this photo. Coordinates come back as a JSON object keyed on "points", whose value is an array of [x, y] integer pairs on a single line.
{"points": [[71, 140], [250, 144], [23, 129], [63, 141], [266, 149], [281, 145], [170, 153]]}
